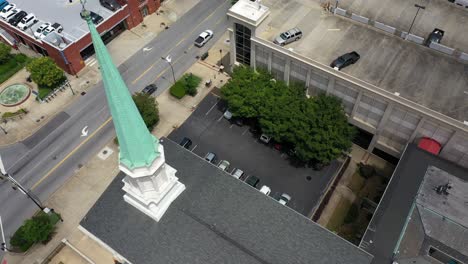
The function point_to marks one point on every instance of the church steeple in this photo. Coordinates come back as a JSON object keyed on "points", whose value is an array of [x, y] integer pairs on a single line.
{"points": [[138, 147], [150, 184]]}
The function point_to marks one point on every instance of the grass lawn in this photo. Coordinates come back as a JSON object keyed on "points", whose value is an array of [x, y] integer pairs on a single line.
{"points": [[43, 92], [339, 214], [356, 183], [9, 68]]}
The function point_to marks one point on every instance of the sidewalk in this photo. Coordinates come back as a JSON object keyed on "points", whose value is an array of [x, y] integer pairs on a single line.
{"points": [[80, 192], [121, 48]]}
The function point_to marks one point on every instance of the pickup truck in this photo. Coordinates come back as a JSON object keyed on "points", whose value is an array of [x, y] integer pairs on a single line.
{"points": [[203, 38]]}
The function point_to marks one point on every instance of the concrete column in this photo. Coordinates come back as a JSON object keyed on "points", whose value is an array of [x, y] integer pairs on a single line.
{"points": [[380, 127], [232, 42], [270, 55], [356, 104], [415, 132], [307, 82], [331, 85], [252, 55], [287, 70], [449, 141]]}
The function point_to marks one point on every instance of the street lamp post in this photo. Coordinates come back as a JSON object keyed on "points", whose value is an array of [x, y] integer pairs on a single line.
{"points": [[419, 7], [3, 245], [169, 60]]}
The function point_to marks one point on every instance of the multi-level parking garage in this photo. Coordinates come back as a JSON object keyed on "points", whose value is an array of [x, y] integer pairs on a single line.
{"points": [[398, 92]]}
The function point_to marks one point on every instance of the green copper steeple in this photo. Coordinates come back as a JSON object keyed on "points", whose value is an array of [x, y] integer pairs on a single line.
{"points": [[138, 147]]}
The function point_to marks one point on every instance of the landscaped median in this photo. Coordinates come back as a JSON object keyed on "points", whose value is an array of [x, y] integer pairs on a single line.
{"points": [[186, 85]]}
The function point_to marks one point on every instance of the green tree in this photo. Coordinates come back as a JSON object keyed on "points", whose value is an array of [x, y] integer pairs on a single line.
{"points": [[148, 108], [4, 52], [45, 72], [37, 229]]}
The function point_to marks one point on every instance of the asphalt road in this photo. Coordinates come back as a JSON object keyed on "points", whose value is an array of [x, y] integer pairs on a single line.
{"points": [[210, 132], [44, 161]]}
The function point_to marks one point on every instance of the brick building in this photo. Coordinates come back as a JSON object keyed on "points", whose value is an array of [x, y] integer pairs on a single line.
{"points": [[70, 48]]}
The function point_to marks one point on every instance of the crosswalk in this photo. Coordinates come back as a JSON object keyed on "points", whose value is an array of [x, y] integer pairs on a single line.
{"points": [[91, 61]]}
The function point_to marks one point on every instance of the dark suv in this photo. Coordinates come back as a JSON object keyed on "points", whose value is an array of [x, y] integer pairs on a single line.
{"points": [[252, 181], [345, 60], [17, 18], [112, 5], [435, 36], [150, 89]]}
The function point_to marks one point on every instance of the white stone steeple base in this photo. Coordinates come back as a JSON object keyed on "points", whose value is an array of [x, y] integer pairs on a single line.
{"points": [[152, 189]]}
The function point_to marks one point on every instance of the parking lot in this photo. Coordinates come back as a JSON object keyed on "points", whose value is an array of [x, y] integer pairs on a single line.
{"points": [[415, 72], [210, 132]]}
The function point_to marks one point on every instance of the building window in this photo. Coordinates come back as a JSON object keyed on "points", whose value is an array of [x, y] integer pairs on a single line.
{"points": [[144, 11], [442, 257], [243, 44]]}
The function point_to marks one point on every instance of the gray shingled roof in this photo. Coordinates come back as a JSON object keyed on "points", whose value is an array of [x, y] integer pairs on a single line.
{"points": [[217, 219]]}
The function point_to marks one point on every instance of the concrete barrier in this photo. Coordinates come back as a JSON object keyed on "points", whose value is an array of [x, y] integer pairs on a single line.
{"points": [[359, 18], [464, 56], [339, 11], [441, 48], [384, 27], [414, 38]]}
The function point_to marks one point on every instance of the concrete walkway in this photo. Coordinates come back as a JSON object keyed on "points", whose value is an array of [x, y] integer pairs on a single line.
{"points": [[80, 192], [121, 48]]}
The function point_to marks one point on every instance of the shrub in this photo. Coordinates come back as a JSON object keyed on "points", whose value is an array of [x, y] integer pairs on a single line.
{"points": [[352, 215], [4, 52], [191, 83], [178, 90], [44, 92], [37, 229], [148, 108]]}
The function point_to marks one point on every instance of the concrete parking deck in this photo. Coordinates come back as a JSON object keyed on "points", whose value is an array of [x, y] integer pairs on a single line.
{"points": [[415, 72]]}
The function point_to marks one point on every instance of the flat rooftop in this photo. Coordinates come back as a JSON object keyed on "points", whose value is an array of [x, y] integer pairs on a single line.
{"points": [[217, 219], [65, 13], [417, 73]]}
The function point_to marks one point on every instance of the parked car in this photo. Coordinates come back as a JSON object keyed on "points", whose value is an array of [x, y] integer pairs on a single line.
{"points": [[9, 14], [210, 157], [252, 181], [265, 138], [57, 27], [223, 165], [7, 8], [282, 198], [287, 37], [186, 142], [40, 29], [27, 21], [435, 36], [227, 115], [203, 38], [112, 5], [237, 173], [265, 190], [3, 5], [94, 17], [17, 18], [150, 89], [345, 60]]}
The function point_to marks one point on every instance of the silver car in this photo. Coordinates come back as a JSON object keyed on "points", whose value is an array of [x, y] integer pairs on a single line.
{"points": [[223, 165], [288, 36]]}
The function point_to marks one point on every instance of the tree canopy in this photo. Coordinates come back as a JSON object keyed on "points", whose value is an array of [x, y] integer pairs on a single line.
{"points": [[4, 52], [317, 127], [148, 108], [45, 72]]}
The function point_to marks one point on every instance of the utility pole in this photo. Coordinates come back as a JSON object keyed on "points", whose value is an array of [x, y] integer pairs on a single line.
{"points": [[3, 247], [169, 60], [419, 7]]}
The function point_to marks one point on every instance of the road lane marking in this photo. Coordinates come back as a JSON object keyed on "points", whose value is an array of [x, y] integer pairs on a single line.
{"points": [[243, 133], [220, 118], [211, 108], [70, 154], [231, 125], [194, 147], [143, 74], [84, 131]]}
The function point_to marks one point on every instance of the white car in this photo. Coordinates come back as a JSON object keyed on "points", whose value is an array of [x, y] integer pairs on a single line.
{"points": [[54, 27], [203, 38], [227, 115], [8, 8], [39, 30], [265, 190], [223, 165], [27, 21], [237, 173], [9, 14], [284, 199]]}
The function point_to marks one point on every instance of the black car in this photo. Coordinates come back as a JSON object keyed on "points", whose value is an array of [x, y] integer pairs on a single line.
{"points": [[345, 60], [17, 18], [435, 36], [112, 5], [186, 142], [150, 89], [252, 181], [94, 17]]}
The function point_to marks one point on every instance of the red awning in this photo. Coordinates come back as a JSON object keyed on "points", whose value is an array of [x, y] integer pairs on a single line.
{"points": [[430, 145]]}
